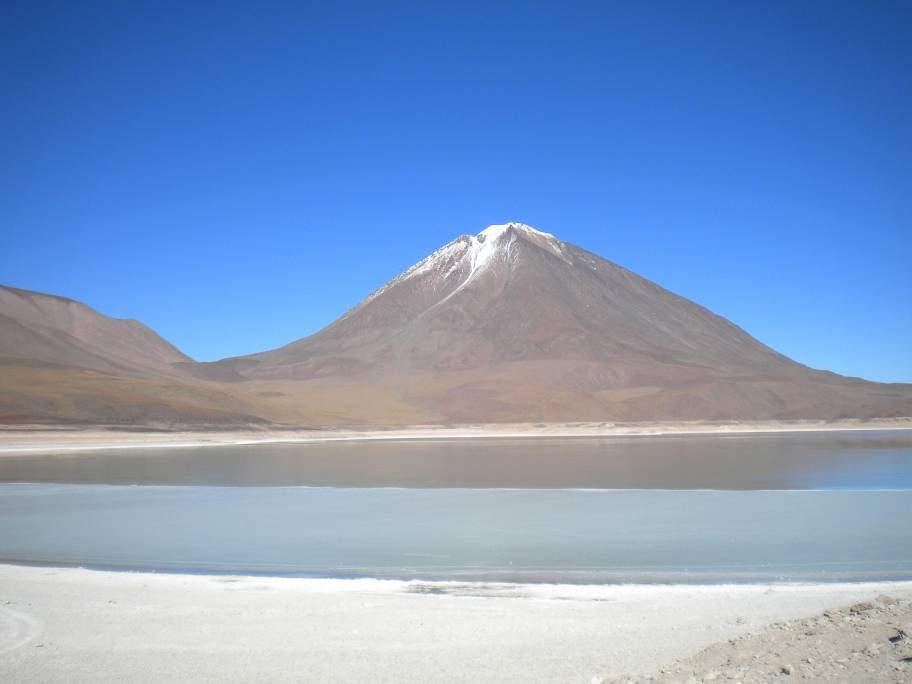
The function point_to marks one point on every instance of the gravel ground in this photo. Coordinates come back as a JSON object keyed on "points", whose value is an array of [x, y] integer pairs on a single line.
{"points": [[865, 642]]}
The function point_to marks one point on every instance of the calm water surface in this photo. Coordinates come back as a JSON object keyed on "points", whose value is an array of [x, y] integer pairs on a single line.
{"points": [[816, 507], [835, 460]]}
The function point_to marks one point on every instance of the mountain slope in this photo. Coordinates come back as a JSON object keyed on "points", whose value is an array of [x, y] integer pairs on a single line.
{"points": [[63, 331], [514, 324], [63, 362], [513, 293]]}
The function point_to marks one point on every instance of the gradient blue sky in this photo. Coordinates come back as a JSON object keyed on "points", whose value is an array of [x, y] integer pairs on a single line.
{"points": [[237, 175]]}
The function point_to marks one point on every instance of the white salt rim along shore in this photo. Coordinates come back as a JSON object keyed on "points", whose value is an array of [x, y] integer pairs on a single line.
{"points": [[38, 441], [74, 624]]}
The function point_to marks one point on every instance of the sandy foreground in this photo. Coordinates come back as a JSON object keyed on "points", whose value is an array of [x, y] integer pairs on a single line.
{"points": [[19, 440], [869, 641], [71, 624]]}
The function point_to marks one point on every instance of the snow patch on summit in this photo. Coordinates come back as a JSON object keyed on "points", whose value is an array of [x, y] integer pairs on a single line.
{"points": [[481, 250], [492, 234], [496, 230]]}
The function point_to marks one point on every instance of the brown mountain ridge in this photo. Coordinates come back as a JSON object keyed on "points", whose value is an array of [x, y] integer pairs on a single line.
{"points": [[509, 325]]}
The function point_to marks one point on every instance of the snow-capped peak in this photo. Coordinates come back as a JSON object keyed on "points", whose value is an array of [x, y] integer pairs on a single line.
{"points": [[479, 250], [495, 231], [492, 234]]}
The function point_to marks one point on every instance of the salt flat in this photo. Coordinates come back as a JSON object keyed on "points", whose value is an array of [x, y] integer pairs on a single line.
{"points": [[76, 625]]}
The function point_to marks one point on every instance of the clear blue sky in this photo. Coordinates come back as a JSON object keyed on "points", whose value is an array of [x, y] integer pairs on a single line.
{"points": [[238, 175]]}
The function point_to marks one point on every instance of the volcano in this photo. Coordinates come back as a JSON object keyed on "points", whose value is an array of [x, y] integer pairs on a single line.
{"points": [[513, 324]]}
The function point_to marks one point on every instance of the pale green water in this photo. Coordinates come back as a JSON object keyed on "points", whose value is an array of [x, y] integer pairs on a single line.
{"points": [[467, 534], [795, 507]]}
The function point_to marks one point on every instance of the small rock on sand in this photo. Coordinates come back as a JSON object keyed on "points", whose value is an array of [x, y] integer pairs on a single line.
{"points": [[862, 607]]}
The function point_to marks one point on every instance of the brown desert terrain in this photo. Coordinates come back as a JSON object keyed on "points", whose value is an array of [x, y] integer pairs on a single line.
{"points": [[509, 325]]}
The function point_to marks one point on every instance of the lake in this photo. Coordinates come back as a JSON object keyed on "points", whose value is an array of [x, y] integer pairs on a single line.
{"points": [[823, 460], [786, 507]]}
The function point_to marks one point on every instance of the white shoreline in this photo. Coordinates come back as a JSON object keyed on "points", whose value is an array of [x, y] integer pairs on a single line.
{"points": [[458, 588], [72, 624], [42, 441], [593, 490]]}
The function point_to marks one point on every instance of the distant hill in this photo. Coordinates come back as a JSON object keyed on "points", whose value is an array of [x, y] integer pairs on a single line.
{"points": [[63, 362], [63, 331], [509, 325]]}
